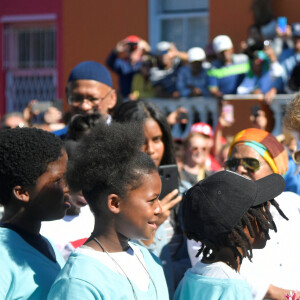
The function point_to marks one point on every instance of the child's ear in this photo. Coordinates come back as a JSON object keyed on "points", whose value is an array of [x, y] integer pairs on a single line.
{"points": [[21, 194], [113, 203]]}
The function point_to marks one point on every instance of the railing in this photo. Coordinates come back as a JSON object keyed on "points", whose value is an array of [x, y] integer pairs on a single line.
{"points": [[206, 109]]}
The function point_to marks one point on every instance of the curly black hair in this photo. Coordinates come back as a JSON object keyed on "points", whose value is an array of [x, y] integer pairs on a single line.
{"points": [[81, 124], [109, 160], [237, 237], [24, 156], [141, 110]]}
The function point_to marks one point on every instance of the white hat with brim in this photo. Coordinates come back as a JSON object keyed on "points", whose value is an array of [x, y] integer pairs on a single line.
{"points": [[196, 54], [222, 43]]}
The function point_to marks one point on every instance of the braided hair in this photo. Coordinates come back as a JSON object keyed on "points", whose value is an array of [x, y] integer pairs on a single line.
{"points": [[237, 237]]}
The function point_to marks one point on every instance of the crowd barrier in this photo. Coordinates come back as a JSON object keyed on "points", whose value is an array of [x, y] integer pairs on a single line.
{"points": [[206, 109]]}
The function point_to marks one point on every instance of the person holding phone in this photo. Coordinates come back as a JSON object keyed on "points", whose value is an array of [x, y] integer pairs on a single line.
{"points": [[283, 39], [168, 243], [126, 60], [163, 75], [289, 58]]}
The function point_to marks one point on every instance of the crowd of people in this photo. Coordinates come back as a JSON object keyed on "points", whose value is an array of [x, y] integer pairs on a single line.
{"points": [[259, 66], [83, 215]]}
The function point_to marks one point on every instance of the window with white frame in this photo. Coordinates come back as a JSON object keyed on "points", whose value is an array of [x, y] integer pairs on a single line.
{"points": [[185, 23]]}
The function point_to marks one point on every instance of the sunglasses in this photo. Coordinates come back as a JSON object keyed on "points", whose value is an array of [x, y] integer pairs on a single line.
{"points": [[250, 164]]}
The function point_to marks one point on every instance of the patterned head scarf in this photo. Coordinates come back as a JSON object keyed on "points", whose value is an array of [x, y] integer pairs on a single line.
{"points": [[266, 145]]}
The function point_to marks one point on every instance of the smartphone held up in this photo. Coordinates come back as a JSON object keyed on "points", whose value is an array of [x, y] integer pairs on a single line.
{"points": [[169, 179], [282, 23], [228, 113]]}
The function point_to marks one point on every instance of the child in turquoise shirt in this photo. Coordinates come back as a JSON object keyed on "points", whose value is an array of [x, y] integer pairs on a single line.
{"points": [[121, 184], [229, 215]]}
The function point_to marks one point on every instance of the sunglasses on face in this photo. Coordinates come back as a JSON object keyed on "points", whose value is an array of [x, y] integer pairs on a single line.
{"points": [[250, 164]]}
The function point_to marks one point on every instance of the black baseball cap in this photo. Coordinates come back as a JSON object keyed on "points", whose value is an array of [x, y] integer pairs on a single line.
{"points": [[215, 205]]}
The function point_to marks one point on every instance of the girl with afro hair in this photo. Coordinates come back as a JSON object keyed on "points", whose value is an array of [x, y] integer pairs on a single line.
{"points": [[122, 185]]}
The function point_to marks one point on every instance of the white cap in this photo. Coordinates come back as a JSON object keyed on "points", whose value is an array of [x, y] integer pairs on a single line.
{"points": [[163, 47], [221, 43], [196, 54]]}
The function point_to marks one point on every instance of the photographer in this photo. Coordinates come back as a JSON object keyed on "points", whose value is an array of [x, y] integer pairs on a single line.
{"points": [[125, 60]]}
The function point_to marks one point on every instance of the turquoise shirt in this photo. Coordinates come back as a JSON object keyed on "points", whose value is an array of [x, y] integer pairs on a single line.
{"points": [[85, 277], [197, 287], [25, 273]]}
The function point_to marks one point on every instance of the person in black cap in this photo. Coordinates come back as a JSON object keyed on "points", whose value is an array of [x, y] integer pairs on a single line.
{"points": [[229, 215], [90, 90]]}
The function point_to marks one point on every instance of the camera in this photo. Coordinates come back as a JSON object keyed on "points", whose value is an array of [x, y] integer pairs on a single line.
{"points": [[132, 46]]}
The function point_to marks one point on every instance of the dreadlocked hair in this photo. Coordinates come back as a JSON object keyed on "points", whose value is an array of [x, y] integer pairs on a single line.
{"points": [[258, 216]]}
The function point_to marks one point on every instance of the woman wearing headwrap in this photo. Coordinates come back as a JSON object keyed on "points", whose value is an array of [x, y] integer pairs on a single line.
{"points": [[256, 153]]}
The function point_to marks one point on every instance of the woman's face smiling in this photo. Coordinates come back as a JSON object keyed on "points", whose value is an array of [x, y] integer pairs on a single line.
{"points": [[140, 208], [153, 145], [49, 199]]}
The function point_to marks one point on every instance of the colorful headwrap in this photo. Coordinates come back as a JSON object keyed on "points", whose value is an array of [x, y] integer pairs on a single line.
{"points": [[266, 145]]}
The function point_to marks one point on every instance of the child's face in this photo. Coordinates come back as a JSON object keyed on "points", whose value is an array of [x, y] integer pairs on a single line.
{"points": [[50, 197], [140, 208]]}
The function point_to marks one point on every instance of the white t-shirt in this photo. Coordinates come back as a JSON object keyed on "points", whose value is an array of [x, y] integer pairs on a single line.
{"points": [[70, 228], [130, 262], [215, 270], [279, 262]]}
